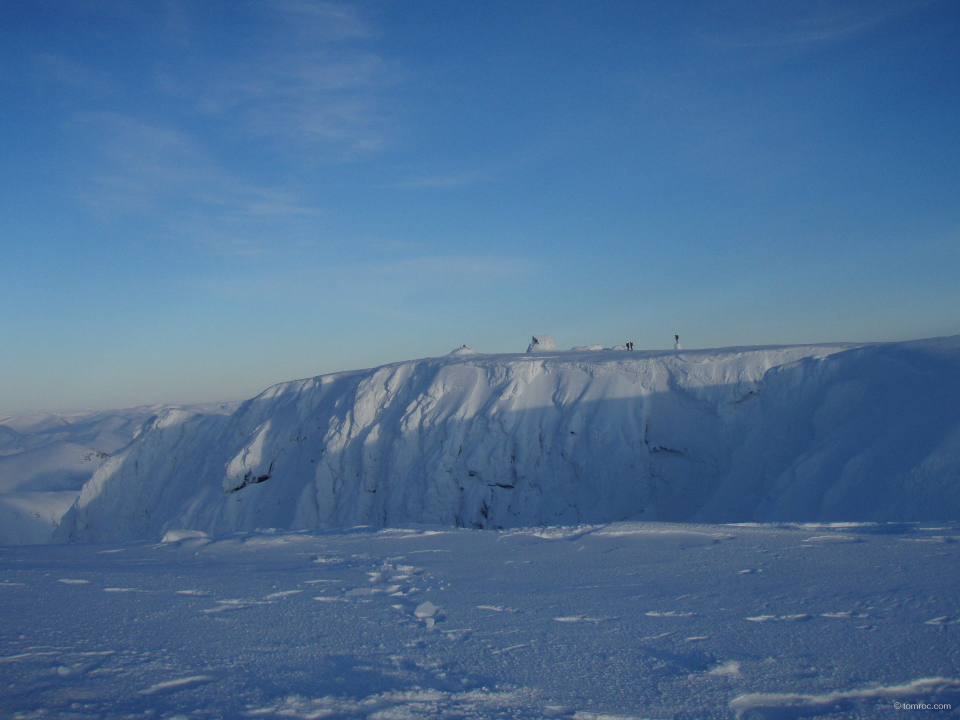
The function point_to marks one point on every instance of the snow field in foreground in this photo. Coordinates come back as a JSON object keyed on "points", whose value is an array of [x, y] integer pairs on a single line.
{"points": [[630, 620]]}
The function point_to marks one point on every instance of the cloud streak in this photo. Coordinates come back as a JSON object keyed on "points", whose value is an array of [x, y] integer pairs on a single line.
{"points": [[808, 23], [62, 71], [143, 171], [313, 83], [230, 137]]}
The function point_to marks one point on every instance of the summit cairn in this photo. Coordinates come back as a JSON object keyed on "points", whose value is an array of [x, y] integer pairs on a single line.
{"points": [[541, 343]]}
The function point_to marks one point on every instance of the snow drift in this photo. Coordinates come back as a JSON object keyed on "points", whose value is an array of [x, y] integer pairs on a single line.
{"points": [[799, 433]]}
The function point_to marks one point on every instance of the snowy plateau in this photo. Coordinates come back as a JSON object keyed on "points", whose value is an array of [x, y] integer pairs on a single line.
{"points": [[736, 533]]}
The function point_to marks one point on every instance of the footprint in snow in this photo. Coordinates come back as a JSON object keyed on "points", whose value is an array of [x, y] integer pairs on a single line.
{"points": [[458, 634], [362, 592]]}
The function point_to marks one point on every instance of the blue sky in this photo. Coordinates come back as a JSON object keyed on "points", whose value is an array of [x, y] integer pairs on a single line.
{"points": [[200, 199]]}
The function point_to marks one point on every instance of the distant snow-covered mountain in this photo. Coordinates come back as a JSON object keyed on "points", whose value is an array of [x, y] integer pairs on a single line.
{"points": [[819, 432], [45, 458]]}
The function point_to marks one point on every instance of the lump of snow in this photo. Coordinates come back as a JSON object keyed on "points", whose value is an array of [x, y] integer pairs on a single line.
{"points": [[541, 343], [462, 350], [426, 610], [172, 536], [584, 348]]}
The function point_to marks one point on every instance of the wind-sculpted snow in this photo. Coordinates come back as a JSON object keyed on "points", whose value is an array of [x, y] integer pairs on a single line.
{"points": [[745, 434], [626, 621]]}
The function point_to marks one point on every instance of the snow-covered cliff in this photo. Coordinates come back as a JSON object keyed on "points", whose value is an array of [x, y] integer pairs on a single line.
{"points": [[489, 441]]}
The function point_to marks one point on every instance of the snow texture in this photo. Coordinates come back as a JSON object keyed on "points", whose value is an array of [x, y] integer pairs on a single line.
{"points": [[629, 621], [797, 433]]}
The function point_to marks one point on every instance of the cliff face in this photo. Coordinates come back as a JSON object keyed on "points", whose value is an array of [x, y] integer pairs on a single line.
{"points": [[753, 434]]}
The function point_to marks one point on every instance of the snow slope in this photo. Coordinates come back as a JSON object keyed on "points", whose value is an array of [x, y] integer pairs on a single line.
{"points": [[45, 459], [742, 434]]}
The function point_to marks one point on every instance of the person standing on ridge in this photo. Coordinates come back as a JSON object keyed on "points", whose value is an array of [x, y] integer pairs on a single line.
{"points": [[676, 342]]}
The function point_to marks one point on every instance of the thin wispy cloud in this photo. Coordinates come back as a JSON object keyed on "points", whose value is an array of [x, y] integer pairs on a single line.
{"points": [[145, 169], [442, 180], [808, 23], [301, 86], [438, 270], [312, 82], [66, 73], [329, 20]]}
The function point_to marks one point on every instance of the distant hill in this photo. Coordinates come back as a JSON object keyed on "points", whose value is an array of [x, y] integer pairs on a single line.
{"points": [[45, 459]]}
